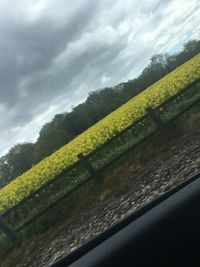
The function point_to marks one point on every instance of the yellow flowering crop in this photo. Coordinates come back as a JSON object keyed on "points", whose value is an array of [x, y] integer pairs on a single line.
{"points": [[99, 133]]}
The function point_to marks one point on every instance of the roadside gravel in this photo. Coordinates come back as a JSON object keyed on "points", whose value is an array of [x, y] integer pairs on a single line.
{"points": [[160, 174]]}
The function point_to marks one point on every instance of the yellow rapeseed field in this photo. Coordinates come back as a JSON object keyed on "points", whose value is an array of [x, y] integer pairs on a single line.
{"points": [[99, 133]]}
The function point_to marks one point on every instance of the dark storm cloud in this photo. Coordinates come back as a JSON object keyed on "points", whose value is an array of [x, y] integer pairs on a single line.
{"points": [[27, 50], [52, 53]]}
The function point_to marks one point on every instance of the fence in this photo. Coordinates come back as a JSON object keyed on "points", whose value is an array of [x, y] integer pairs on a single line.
{"points": [[152, 114]]}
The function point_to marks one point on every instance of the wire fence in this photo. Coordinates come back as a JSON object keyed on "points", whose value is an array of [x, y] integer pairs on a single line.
{"points": [[93, 164]]}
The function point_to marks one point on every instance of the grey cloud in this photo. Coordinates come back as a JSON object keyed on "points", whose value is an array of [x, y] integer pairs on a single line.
{"points": [[55, 57], [29, 50]]}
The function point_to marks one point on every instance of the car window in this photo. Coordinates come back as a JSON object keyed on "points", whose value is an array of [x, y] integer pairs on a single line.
{"points": [[99, 106]]}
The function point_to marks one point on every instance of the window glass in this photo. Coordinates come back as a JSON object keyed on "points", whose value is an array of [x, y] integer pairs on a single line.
{"points": [[99, 105]]}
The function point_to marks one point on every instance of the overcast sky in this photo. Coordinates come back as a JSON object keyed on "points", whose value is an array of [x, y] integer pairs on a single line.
{"points": [[53, 52]]}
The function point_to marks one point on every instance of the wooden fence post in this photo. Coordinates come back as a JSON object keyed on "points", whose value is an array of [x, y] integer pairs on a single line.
{"points": [[12, 236], [87, 165], [155, 117]]}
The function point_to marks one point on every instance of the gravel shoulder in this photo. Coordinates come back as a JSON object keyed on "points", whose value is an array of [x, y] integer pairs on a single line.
{"points": [[161, 173]]}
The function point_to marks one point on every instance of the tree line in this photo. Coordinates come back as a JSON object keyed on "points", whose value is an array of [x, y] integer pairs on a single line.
{"points": [[66, 126]]}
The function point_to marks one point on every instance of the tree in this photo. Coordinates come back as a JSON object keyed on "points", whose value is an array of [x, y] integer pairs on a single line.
{"points": [[192, 48], [18, 160], [50, 139]]}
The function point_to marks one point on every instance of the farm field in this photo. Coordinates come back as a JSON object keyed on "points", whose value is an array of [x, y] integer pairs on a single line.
{"points": [[60, 196], [41, 203], [103, 131], [116, 201]]}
